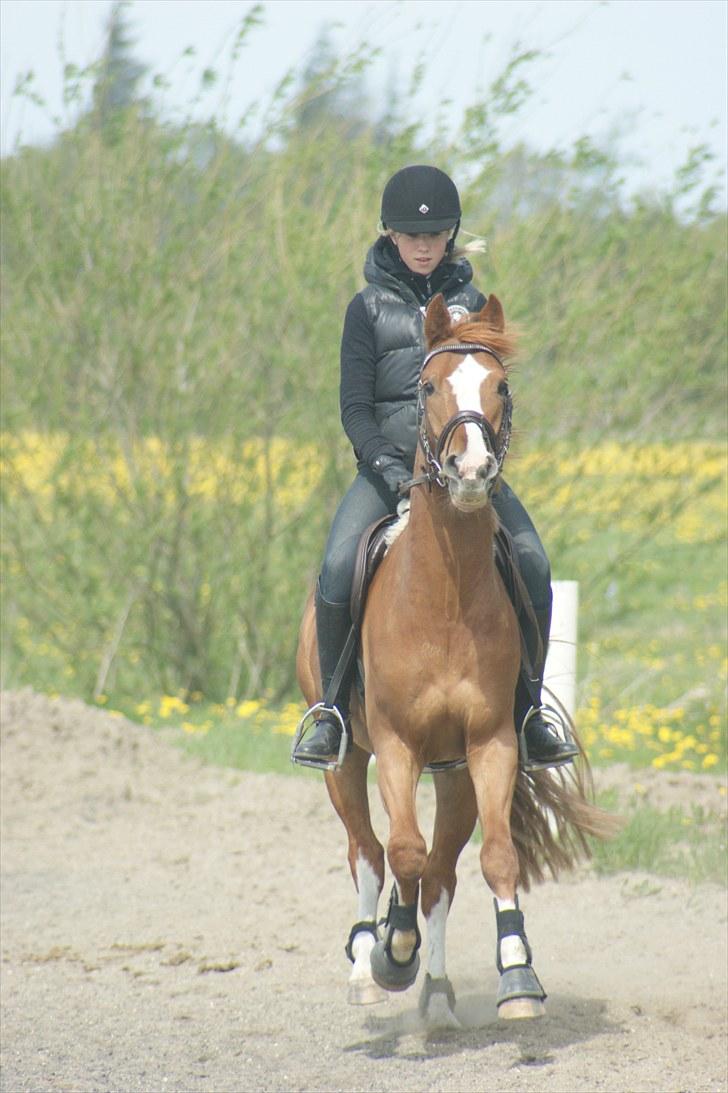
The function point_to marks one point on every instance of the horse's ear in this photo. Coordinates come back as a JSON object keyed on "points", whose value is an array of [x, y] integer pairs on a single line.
{"points": [[493, 315], [438, 323]]}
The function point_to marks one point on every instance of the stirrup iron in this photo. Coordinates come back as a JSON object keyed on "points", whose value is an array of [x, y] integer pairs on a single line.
{"points": [[307, 722], [558, 723]]}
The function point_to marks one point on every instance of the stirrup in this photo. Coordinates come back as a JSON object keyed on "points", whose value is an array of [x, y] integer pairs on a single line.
{"points": [[307, 722], [555, 719]]}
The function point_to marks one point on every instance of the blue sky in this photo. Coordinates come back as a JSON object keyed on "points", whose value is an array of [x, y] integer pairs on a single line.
{"points": [[654, 69]]}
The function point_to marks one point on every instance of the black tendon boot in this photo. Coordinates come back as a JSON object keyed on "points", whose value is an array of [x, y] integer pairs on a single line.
{"points": [[321, 745], [540, 745]]}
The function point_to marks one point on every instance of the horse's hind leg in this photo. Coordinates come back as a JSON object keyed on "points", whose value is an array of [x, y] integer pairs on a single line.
{"points": [[348, 792], [454, 822], [493, 768]]}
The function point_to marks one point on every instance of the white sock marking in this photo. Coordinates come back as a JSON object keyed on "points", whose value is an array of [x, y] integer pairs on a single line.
{"points": [[436, 924], [367, 884], [512, 949]]}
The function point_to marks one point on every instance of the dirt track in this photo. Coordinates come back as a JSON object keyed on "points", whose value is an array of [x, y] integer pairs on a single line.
{"points": [[169, 926]]}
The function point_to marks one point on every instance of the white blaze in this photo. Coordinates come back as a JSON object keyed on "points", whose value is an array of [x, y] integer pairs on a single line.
{"points": [[466, 382]]}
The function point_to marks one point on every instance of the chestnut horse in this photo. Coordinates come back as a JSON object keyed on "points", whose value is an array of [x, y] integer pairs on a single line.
{"points": [[441, 653]]}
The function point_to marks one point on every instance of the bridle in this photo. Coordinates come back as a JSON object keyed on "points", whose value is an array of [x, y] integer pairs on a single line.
{"points": [[496, 443]]}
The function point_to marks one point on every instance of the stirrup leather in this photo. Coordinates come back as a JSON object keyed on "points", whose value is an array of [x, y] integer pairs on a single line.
{"points": [[557, 722], [307, 722]]}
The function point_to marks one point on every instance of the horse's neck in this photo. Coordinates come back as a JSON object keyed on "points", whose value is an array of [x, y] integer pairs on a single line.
{"points": [[450, 548]]}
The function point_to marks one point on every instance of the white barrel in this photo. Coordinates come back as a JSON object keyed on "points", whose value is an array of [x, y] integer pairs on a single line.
{"points": [[560, 673]]}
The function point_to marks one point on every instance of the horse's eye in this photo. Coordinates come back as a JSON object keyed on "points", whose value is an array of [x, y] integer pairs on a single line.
{"points": [[428, 388], [503, 389]]}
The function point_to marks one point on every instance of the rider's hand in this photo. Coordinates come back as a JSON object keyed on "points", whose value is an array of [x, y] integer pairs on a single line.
{"points": [[394, 471]]}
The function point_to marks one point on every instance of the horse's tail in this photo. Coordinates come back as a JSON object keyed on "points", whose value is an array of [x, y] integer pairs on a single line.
{"points": [[552, 818]]}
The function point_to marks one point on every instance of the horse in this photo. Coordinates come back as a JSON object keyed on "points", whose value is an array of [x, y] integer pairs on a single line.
{"points": [[440, 654]]}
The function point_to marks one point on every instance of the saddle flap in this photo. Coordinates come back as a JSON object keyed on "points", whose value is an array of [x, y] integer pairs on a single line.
{"points": [[372, 548]]}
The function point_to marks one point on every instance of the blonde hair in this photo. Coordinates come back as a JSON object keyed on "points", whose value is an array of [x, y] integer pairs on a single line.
{"points": [[475, 244]]}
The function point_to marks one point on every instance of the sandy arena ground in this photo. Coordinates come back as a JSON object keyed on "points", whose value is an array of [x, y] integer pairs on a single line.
{"points": [[171, 926]]}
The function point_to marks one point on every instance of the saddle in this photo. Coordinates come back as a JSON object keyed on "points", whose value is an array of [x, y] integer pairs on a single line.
{"points": [[372, 548]]}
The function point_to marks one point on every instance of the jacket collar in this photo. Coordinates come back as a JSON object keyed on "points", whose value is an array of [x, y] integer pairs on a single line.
{"points": [[383, 266]]}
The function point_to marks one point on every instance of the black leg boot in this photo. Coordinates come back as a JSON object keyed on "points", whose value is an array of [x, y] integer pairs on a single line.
{"points": [[541, 745], [320, 746]]}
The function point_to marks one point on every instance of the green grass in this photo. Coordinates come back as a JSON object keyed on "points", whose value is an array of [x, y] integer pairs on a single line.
{"points": [[242, 747], [676, 843]]}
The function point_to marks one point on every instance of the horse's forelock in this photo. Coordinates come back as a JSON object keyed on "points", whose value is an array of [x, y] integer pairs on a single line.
{"points": [[502, 341]]}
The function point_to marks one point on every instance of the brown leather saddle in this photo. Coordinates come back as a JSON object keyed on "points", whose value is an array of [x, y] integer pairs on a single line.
{"points": [[372, 548]]}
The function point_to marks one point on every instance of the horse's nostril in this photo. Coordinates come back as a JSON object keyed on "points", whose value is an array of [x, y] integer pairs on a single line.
{"points": [[451, 463], [488, 469]]}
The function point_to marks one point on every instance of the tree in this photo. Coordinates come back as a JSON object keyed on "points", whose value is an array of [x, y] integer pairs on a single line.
{"points": [[115, 90]]}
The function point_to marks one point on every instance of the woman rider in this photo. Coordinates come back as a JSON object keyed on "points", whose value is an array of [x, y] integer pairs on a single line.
{"points": [[382, 350]]}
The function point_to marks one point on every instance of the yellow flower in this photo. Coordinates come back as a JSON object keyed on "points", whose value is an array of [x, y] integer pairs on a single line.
{"points": [[170, 704], [247, 709]]}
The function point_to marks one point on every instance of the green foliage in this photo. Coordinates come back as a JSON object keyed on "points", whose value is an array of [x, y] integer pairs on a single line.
{"points": [[672, 842], [172, 303]]}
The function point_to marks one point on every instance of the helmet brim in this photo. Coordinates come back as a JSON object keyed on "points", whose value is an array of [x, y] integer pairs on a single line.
{"points": [[418, 227]]}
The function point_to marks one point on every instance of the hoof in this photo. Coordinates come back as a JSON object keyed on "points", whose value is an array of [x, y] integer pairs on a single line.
{"points": [[438, 1014], [520, 994], [437, 1003], [391, 976], [516, 1009], [365, 992]]}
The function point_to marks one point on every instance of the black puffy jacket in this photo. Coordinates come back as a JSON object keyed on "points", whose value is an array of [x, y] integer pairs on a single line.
{"points": [[383, 346]]}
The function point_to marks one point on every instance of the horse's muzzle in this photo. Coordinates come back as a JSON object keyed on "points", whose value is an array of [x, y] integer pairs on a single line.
{"points": [[470, 489]]}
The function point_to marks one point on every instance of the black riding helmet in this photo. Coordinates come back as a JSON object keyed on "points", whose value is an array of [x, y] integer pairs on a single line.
{"points": [[420, 199]]}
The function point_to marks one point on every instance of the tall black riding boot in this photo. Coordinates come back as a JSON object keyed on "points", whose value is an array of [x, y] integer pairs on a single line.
{"points": [[320, 747], [541, 745]]}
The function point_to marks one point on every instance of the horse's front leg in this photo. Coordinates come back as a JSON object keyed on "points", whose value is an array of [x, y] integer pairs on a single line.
{"points": [[395, 959], [493, 768], [348, 792], [454, 822]]}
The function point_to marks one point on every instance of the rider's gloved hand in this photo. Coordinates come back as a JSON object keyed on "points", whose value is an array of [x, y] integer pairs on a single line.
{"points": [[394, 471]]}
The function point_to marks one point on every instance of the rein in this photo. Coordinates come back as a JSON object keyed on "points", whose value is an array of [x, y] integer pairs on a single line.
{"points": [[497, 444]]}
